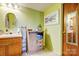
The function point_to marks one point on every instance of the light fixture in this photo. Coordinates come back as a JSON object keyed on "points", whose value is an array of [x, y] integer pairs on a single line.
{"points": [[10, 5], [16, 6]]}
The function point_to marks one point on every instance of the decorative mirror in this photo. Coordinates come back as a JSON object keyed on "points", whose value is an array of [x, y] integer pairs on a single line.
{"points": [[10, 20], [72, 28]]}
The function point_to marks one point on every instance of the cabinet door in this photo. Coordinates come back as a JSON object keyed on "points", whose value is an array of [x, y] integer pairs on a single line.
{"points": [[10, 46], [14, 49], [2, 50]]}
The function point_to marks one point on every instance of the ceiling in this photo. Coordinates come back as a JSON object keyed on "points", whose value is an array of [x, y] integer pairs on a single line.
{"points": [[36, 6]]}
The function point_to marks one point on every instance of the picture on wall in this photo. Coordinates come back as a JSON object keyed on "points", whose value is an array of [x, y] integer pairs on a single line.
{"points": [[52, 18]]}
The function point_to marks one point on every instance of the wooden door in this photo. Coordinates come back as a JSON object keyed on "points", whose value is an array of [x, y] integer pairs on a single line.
{"points": [[70, 30]]}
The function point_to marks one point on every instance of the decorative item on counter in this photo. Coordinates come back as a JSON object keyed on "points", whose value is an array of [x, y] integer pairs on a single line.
{"points": [[10, 32], [7, 31], [18, 30], [29, 29], [39, 28]]}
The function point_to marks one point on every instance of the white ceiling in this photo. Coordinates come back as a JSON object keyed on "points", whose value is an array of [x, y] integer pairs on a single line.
{"points": [[36, 6]]}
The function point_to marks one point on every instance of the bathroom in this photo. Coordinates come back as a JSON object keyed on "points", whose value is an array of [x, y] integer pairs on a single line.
{"points": [[23, 30]]}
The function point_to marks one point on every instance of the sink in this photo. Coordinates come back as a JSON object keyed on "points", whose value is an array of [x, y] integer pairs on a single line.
{"points": [[7, 35]]}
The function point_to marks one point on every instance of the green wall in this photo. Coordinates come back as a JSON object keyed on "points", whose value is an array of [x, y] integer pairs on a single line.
{"points": [[2, 23], [24, 16], [54, 32]]}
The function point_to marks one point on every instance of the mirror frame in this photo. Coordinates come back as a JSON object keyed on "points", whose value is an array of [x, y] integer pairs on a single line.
{"points": [[7, 22]]}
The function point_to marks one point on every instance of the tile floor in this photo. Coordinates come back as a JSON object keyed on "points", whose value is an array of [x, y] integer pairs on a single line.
{"points": [[41, 53]]}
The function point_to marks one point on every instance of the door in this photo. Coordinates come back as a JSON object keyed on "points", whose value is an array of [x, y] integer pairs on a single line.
{"points": [[70, 30]]}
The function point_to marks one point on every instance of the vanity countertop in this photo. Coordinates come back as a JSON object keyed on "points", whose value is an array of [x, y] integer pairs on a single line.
{"points": [[10, 35]]}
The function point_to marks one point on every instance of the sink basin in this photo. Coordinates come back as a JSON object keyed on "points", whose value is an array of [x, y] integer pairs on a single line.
{"points": [[10, 35]]}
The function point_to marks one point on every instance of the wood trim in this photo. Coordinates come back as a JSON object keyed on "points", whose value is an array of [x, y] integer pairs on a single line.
{"points": [[62, 27]]}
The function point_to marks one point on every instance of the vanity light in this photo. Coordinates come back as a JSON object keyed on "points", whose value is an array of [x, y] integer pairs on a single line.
{"points": [[16, 6], [10, 5]]}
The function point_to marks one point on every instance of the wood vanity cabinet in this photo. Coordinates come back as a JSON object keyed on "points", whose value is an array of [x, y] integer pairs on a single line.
{"points": [[10, 46]]}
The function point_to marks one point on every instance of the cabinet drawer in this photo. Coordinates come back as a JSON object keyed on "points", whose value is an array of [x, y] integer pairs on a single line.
{"points": [[13, 40]]}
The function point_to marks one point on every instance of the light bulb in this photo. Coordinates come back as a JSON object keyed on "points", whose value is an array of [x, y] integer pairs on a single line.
{"points": [[16, 6], [9, 5]]}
